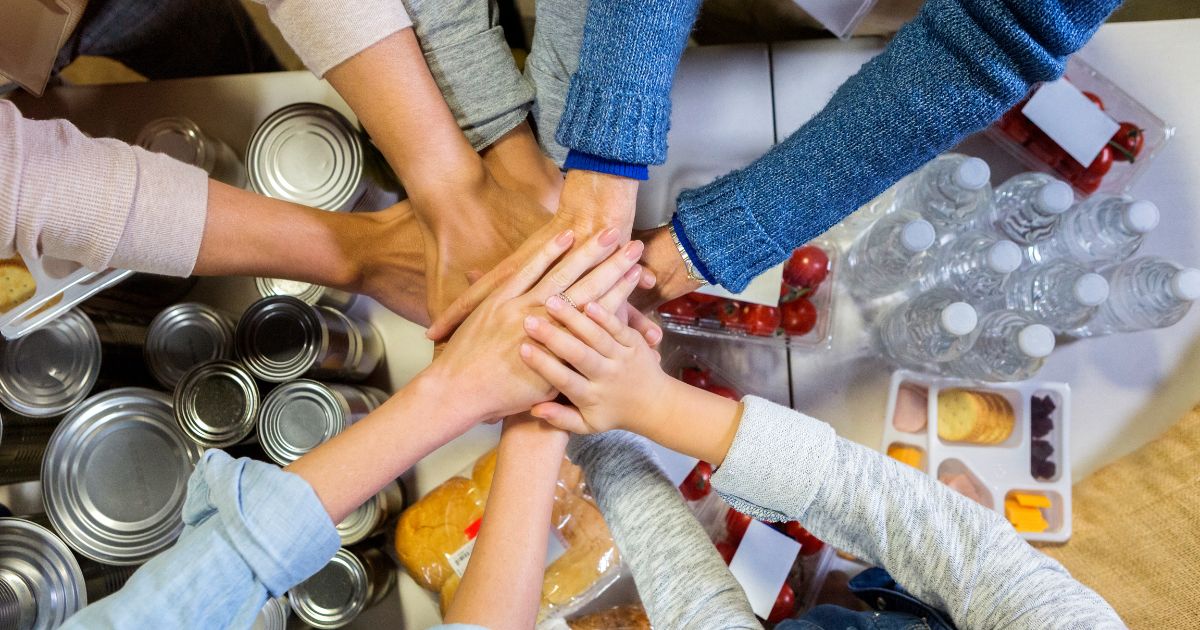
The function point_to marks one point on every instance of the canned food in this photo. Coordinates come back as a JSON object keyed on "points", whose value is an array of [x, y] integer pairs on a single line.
{"points": [[101, 580], [281, 338], [183, 140], [22, 444], [353, 581], [306, 292], [123, 346], [51, 369], [115, 475], [369, 519], [216, 404], [183, 336], [274, 615], [140, 296], [41, 583], [298, 416]]}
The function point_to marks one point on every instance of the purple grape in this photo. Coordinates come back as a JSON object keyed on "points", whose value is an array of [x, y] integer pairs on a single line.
{"points": [[1041, 426], [1043, 469], [1041, 449]]}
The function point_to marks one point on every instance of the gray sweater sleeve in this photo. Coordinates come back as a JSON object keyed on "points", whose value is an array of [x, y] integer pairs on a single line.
{"points": [[682, 580], [943, 548]]}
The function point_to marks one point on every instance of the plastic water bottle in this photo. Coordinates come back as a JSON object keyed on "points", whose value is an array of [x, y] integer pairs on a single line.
{"points": [[1010, 347], [1026, 207], [975, 264], [886, 256], [1062, 294], [934, 327], [1147, 292], [1103, 229], [951, 191]]}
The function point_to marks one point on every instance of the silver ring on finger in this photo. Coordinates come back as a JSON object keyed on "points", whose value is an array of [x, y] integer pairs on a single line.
{"points": [[566, 298]]}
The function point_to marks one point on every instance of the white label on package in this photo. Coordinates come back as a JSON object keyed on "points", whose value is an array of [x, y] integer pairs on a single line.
{"points": [[675, 465], [761, 565], [1071, 120], [762, 290], [459, 559]]}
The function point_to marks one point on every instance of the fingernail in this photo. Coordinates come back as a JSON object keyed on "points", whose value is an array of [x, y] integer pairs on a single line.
{"points": [[608, 237], [633, 273], [594, 308], [565, 237], [526, 350], [633, 250], [554, 303], [531, 322], [655, 335]]}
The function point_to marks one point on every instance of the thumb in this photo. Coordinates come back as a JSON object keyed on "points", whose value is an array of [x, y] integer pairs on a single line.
{"points": [[561, 417]]}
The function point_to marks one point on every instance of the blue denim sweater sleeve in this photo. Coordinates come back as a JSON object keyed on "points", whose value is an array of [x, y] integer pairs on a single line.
{"points": [[619, 101], [954, 69], [251, 531]]}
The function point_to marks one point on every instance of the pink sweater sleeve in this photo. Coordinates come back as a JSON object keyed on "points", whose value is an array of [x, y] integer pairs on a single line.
{"points": [[96, 201]]}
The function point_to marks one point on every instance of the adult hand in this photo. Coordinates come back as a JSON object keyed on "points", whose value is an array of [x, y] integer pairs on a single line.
{"points": [[662, 259], [385, 257]]}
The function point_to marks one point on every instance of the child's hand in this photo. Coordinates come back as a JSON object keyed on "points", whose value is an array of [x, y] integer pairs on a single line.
{"points": [[617, 378]]}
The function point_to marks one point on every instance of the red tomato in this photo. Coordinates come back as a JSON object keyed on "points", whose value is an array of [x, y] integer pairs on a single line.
{"points": [[1091, 96], [696, 377], [798, 317], [785, 604], [1102, 164], [729, 313], [760, 320], [1088, 183], [703, 298], [721, 390], [1127, 143], [726, 549], [807, 267], [795, 531], [1016, 125], [682, 308], [1069, 169], [1045, 149], [697, 486], [735, 526], [811, 545]]}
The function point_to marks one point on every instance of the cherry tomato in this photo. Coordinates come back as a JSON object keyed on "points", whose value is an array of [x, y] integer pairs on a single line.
{"points": [[798, 317], [735, 526], [807, 267], [1102, 164], [729, 313], [704, 298], [1091, 96], [696, 377], [785, 604], [726, 549], [1088, 183], [809, 544], [1016, 125], [697, 486], [721, 390], [1069, 169], [760, 320], [795, 531], [681, 308], [1045, 149], [1127, 143]]}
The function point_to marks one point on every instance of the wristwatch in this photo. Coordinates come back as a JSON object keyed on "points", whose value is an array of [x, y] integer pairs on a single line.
{"points": [[692, 272]]}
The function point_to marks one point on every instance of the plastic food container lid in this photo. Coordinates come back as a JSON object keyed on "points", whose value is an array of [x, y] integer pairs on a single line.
{"points": [[917, 236], [1054, 197], [959, 318], [1036, 340], [972, 174], [1186, 284], [1004, 256], [1091, 289], [1141, 216], [51, 369]]}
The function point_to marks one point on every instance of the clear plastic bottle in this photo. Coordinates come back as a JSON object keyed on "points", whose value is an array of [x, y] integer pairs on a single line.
{"points": [[1103, 229], [975, 264], [887, 255], [1147, 292], [1062, 294], [1010, 347], [1026, 207], [951, 191], [932, 328]]}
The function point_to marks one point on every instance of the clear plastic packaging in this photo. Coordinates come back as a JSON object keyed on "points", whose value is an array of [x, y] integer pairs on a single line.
{"points": [[38, 290]]}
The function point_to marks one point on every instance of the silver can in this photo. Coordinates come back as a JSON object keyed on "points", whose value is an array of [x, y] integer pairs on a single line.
{"points": [[297, 417], [22, 443], [140, 296], [41, 583], [216, 404], [115, 475], [306, 292], [281, 338], [51, 369], [101, 580], [353, 581], [184, 336], [274, 615], [371, 517], [183, 140]]}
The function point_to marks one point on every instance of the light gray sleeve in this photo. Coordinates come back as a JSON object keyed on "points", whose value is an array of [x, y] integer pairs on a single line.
{"points": [[945, 549], [324, 33], [466, 52], [554, 57], [682, 580]]}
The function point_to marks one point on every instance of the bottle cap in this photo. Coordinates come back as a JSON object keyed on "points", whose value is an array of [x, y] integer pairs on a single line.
{"points": [[1054, 197], [1186, 284], [1036, 340], [1141, 216], [1004, 257], [959, 318], [972, 174], [917, 236], [1091, 289]]}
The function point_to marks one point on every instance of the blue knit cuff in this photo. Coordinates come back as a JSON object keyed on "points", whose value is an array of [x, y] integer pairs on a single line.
{"points": [[686, 243], [589, 162], [616, 122]]}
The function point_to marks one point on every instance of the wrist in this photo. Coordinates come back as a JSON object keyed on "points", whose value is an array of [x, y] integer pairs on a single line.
{"points": [[598, 200], [434, 384], [662, 257]]}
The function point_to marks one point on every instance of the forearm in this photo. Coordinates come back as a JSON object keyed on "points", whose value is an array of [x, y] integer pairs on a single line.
{"points": [[691, 421], [502, 587]]}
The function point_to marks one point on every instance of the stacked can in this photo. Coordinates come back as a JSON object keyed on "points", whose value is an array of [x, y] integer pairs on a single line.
{"points": [[41, 584], [183, 140], [353, 581], [371, 517], [298, 416], [274, 615], [140, 296], [22, 445], [282, 338], [216, 404], [305, 292], [52, 369], [183, 336]]}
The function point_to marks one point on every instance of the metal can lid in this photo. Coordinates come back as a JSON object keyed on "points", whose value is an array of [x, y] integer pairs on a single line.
{"points": [[51, 369], [298, 416], [179, 138], [279, 338], [41, 584], [361, 522], [335, 595], [183, 336], [115, 475], [306, 292], [274, 615], [216, 404], [309, 154]]}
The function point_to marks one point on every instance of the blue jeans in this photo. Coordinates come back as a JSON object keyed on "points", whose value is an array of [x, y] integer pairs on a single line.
{"points": [[895, 609]]}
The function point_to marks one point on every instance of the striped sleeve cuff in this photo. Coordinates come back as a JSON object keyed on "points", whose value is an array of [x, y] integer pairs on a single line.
{"points": [[588, 162]]}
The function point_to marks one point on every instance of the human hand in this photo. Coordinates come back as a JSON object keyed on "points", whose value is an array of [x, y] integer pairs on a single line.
{"points": [[662, 259], [386, 257]]}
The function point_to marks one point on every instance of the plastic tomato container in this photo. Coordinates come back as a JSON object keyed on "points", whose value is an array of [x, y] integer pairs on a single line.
{"points": [[1016, 134], [720, 318]]}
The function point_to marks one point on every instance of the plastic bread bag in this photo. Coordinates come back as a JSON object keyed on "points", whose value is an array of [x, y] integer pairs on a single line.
{"points": [[434, 538]]}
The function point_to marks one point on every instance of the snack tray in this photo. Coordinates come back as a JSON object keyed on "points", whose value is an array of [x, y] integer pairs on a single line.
{"points": [[67, 281]]}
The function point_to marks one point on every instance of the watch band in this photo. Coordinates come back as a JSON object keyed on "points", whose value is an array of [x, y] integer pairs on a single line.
{"points": [[692, 272]]}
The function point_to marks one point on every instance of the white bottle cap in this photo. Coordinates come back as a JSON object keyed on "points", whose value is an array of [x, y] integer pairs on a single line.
{"points": [[959, 318], [1036, 340], [972, 174], [1004, 257], [1054, 197], [917, 236], [1091, 289], [1186, 285], [1141, 216]]}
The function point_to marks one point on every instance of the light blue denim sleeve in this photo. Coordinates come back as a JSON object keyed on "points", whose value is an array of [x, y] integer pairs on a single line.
{"points": [[251, 531]]}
